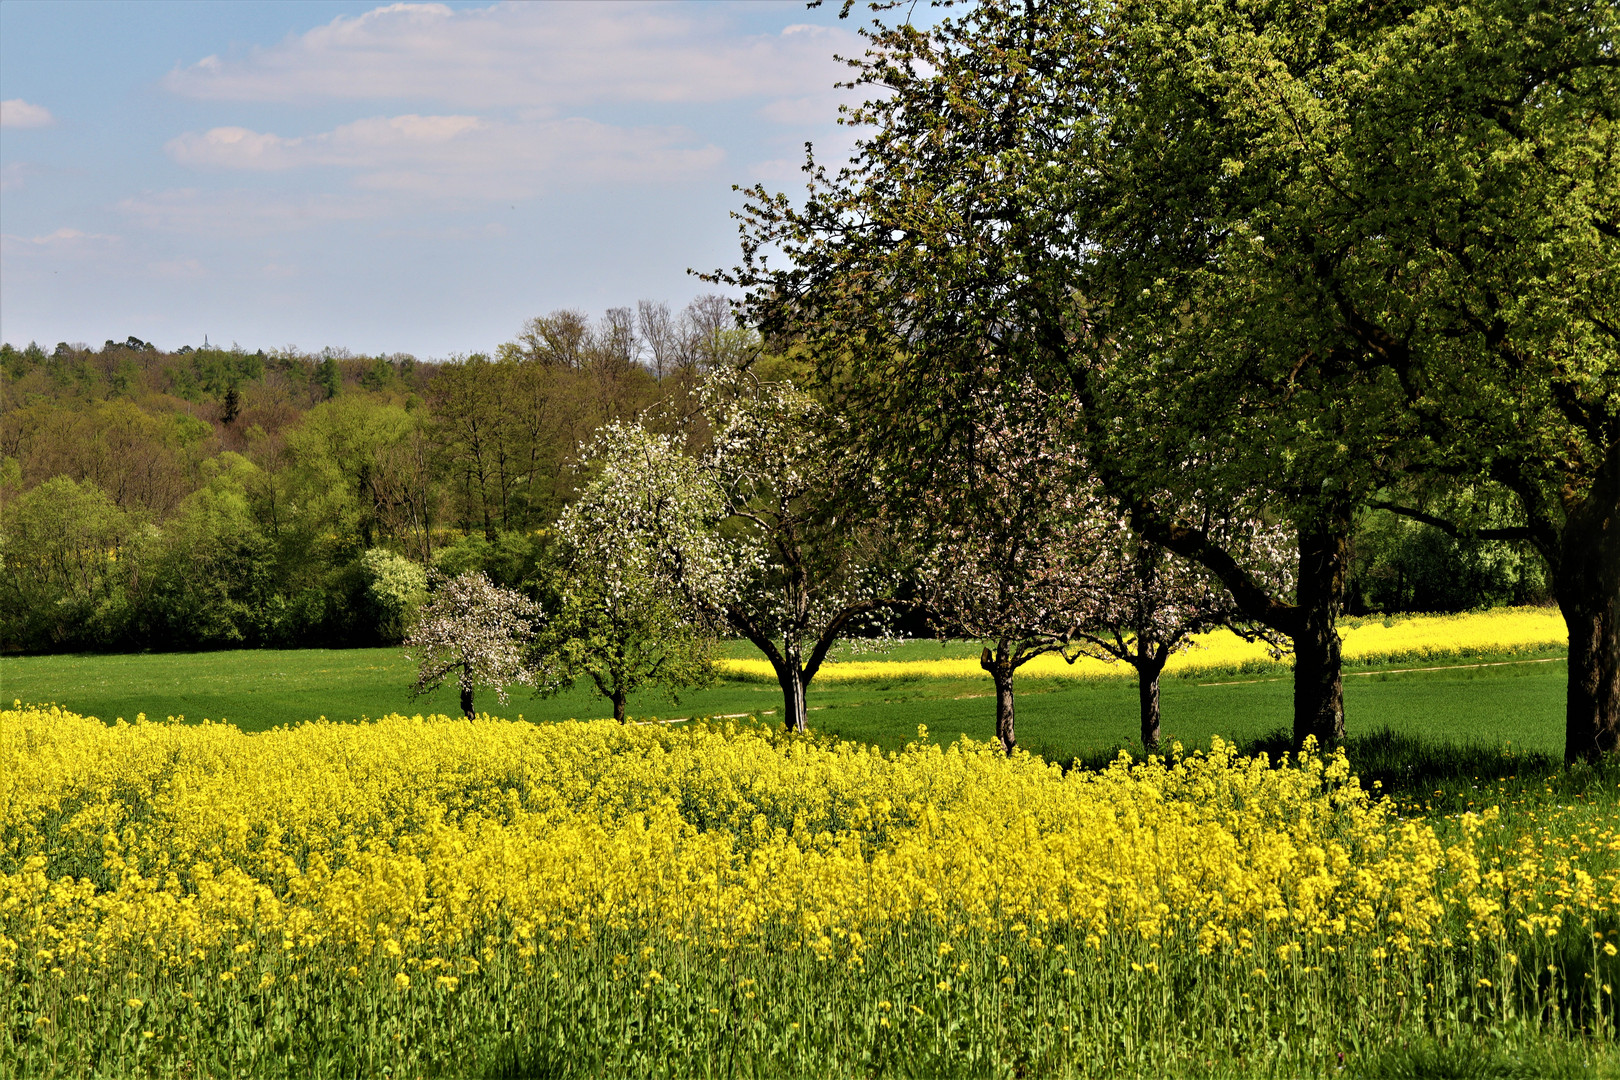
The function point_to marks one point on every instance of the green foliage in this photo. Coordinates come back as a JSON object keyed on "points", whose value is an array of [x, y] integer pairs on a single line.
{"points": [[210, 573], [512, 559], [64, 558], [622, 643], [1399, 565], [620, 615], [396, 588]]}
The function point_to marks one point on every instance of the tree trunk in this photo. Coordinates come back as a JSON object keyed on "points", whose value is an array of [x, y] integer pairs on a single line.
{"points": [[795, 715], [1147, 692], [790, 673], [1318, 685], [1149, 664], [1587, 583], [1000, 667], [1311, 622], [618, 698], [466, 699]]}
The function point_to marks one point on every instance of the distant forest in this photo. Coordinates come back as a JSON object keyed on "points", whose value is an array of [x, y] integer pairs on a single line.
{"points": [[210, 497]]}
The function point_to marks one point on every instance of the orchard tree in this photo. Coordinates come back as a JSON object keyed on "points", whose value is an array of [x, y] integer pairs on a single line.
{"points": [[1302, 240], [1419, 207], [1502, 304], [1152, 603], [807, 569], [619, 618], [476, 631], [752, 532], [1028, 552], [1012, 533]]}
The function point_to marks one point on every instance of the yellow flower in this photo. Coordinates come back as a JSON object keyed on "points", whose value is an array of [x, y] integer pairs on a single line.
{"points": [[402, 981]]}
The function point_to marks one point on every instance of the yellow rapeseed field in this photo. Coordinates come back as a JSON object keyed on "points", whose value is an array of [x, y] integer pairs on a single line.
{"points": [[159, 877], [1398, 639]]}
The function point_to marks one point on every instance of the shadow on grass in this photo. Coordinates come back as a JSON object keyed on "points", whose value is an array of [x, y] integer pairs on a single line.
{"points": [[1440, 776]]}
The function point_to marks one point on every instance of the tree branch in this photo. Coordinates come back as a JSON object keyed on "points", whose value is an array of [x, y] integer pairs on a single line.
{"points": [[1451, 528], [1195, 544], [834, 627]]}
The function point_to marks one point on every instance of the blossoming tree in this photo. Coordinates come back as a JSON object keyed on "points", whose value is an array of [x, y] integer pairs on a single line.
{"points": [[750, 532], [620, 619], [477, 631], [805, 570], [1150, 603], [1011, 532]]}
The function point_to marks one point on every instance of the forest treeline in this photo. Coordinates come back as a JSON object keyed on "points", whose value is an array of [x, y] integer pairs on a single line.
{"points": [[211, 497]]}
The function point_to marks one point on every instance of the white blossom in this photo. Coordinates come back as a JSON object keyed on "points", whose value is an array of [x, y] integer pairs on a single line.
{"points": [[476, 630]]}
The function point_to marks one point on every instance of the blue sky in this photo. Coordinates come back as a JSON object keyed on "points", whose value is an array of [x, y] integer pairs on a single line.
{"points": [[387, 178]]}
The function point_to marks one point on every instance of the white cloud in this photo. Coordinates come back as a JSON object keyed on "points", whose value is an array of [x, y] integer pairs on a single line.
{"points": [[17, 113], [461, 156], [62, 239], [362, 144], [537, 56]]}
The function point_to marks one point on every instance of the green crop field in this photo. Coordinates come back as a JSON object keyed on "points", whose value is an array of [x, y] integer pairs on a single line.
{"points": [[1516, 701]]}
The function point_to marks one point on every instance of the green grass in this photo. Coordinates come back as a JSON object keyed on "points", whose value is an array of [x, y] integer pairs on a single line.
{"points": [[1517, 703]]}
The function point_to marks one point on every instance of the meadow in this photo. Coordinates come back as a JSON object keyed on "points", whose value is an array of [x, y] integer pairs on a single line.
{"points": [[425, 896], [1493, 677]]}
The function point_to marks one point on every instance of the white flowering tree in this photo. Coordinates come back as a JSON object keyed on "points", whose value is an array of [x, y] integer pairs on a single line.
{"points": [[1026, 553], [748, 533], [803, 570], [476, 631], [1012, 532], [1150, 602], [620, 618]]}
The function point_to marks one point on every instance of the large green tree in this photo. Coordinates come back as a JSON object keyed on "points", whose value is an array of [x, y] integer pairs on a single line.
{"points": [[1311, 244]]}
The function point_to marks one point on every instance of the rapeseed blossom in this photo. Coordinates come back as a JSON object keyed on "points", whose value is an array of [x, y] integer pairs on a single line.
{"points": [[429, 867], [412, 834]]}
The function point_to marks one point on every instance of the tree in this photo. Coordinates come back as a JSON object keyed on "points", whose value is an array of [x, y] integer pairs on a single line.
{"points": [[752, 532], [395, 590], [469, 412], [63, 558], [1152, 603], [561, 339], [807, 570], [1416, 210], [1012, 530], [660, 333], [354, 456], [209, 572], [477, 631], [1027, 551], [1501, 254], [1240, 229], [329, 377], [619, 619]]}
